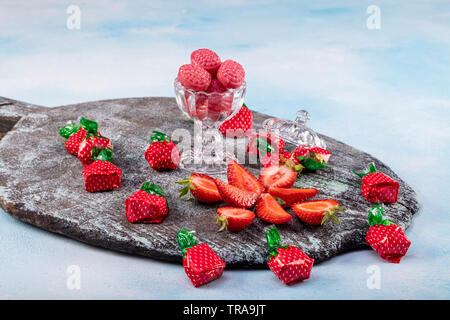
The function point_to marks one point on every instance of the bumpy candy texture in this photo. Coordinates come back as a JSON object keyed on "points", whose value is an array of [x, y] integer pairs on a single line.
{"points": [[91, 146], [73, 143], [291, 265], [194, 77], [207, 59], [142, 207], [231, 74], [101, 175], [202, 264], [389, 241], [378, 187], [240, 125]]}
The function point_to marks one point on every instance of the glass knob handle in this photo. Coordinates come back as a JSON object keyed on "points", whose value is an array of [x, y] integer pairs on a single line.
{"points": [[302, 117]]}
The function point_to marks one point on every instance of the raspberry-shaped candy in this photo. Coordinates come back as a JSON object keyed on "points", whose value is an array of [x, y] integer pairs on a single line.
{"points": [[231, 74], [207, 59], [194, 77]]}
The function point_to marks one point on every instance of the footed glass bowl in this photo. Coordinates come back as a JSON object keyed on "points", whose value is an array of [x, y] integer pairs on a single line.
{"points": [[209, 111]]}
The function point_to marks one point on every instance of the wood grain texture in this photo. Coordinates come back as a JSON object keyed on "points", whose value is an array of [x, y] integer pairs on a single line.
{"points": [[41, 184]]}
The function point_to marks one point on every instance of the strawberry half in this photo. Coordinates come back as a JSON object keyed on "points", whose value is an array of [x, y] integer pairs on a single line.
{"points": [[162, 154], [235, 196], [291, 196], [240, 125], [385, 237], [378, 187], [317, 212], [239, 177], [234, 219], [288, 263], [200, 262], [269, 210], [278, 177], [201, 186]]}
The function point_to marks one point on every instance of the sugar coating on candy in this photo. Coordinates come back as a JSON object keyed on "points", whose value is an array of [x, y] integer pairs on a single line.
{"points": [[291, 265], [389, 242], [207, 59], [202, 264], [231, 74], [146, 208], [194, 77], [101, 175]]}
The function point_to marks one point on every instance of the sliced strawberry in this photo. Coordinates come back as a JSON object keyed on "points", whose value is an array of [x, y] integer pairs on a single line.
{"points": [[234, 219], [239, 177], [291, 196], [235, 196], [278, 177], [201, 186], [316, 212], [269, 210]]}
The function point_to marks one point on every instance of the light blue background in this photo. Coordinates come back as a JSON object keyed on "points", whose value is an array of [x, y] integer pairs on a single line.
{"points": [[383, 91]]}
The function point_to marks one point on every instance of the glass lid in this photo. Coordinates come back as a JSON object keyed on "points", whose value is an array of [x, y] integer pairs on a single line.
{"points": [[295, 132]]}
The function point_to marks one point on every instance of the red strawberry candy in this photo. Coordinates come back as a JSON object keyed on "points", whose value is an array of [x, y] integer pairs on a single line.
{"points": [[162, 154], [240, 125], [311, 157], [73, 135], [92, 144], [231, 74], [385, 237], [288, 263], [200, 262], [378, 187], [101, 174], [265, 142], [194, 77], [234, 219], [207, 59], [148, 205], [201, 186], [73, 143], [317, 212]]}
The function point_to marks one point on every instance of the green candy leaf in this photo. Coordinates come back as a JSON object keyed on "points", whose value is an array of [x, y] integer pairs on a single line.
{"points": [[89, 125], [273, 241], [68, 130], [371, 169], [376, 216], [186, 240], [153, 189], [159, 137], [105, 155]]}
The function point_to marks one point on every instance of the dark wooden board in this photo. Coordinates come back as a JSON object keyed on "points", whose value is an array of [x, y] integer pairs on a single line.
{"points": [[41, 184]]}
